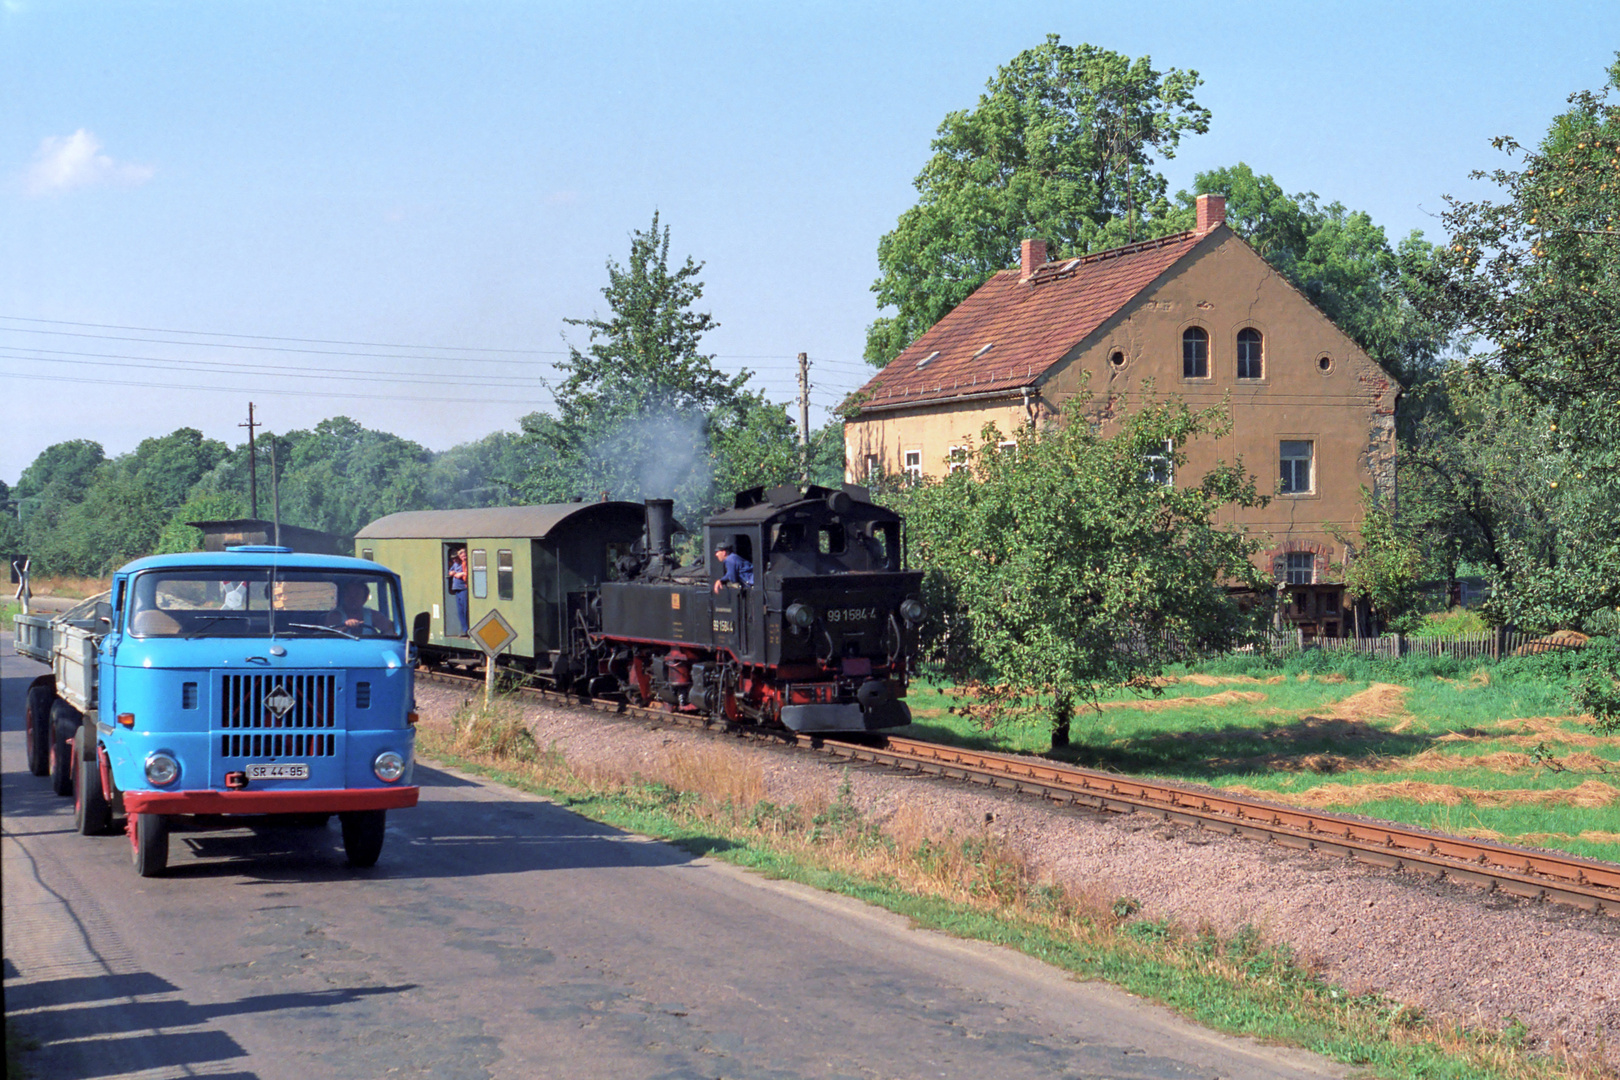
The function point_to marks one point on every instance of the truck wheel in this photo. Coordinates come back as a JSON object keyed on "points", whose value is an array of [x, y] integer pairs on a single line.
{"points": [[64, 718], [149, 842], [91, 814], [37, 722], [363, 836]]}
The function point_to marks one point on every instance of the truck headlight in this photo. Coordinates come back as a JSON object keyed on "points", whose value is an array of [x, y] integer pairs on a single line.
{"points": [[912, 609], [389, 766], [161, 769], [800, 615]]}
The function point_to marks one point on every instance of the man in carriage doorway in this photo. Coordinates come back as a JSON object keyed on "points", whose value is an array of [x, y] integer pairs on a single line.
{"points": [[458, 590], [735, 569]]}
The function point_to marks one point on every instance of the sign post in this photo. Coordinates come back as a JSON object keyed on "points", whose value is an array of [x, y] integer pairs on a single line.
{"points": [[493, 634]]}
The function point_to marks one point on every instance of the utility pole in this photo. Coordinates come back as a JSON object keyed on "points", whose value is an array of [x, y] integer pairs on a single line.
{"points": [[804, 413], [253, 462]]}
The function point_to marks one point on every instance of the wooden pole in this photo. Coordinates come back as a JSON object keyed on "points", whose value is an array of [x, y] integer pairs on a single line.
{"points": [[489, 681]]}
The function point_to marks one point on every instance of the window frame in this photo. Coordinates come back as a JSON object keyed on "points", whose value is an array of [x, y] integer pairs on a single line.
{"points": [[913, 465], [1198, 336], [1258, 362], [478, 573], [1161, 468], [956, 459], [503, 574], [1299, 568], [1288, 478]]}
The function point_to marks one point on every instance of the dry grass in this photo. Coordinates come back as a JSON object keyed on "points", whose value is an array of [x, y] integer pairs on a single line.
{"points": [[1225, 697], [72, 588]]}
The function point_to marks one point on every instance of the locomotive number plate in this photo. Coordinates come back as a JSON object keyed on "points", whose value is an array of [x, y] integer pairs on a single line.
{"points": [[262, 771], [853, 614], [724, 626]]}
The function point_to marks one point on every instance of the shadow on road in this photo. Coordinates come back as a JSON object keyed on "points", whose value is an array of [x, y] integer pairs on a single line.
{"points": [[86, 1027]]}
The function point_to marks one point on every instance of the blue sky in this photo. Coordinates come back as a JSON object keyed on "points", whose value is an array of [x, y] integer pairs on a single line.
{"points": [[454, 176]]}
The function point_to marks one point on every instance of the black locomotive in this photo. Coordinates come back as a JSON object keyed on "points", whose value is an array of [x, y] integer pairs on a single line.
{"points": [[824, 639]]}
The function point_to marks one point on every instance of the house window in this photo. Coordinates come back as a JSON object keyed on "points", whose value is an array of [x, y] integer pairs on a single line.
{"points": [[1161, 468], [1301, 568], [1249, 345], [1116, 359], [365, 553], [1010, 447], [957, 459], [874, 469], [1297, 473], [914, 465], [1194, 353], [503, 574]]}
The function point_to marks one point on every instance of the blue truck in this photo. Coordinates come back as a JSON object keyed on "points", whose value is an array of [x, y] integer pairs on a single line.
{"points": [[205, 687]]}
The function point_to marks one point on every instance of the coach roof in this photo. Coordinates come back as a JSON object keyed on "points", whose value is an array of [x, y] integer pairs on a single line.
{"points": [[534, 522]]}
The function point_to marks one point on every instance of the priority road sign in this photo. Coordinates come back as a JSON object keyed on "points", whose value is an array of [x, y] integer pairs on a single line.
{"points": [[493, 634]]}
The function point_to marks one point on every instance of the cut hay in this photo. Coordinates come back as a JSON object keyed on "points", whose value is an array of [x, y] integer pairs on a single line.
{"points": [[1590, 795], [1380, 700], [1225, 697]]}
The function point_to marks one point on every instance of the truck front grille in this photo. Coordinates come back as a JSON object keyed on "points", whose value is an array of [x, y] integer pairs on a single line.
{"points": [[278, 745], [243, 701]]}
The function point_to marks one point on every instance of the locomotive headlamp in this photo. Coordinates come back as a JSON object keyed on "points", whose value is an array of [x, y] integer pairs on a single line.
{"points": [[912, 609], [161, 769], [389, 766], [800, 615]]}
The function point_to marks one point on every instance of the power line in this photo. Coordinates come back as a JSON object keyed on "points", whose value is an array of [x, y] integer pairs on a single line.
{"points": [[237, 390], [153, 362]]}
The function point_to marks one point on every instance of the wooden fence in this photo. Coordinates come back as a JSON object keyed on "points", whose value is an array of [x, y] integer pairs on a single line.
{"points": [[1488, 644]]}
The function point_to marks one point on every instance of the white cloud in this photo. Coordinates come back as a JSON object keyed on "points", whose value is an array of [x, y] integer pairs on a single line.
{"points": [[65, 162]]}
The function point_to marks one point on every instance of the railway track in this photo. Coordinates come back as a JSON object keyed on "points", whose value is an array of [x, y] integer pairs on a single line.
{"points": [[1536, 874]]}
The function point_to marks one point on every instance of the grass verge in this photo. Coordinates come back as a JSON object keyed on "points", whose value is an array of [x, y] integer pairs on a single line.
{"points": [[710, 801]]}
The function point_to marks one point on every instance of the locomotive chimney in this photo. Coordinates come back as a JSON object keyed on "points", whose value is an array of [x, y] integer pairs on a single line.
{"points": [[660, 523]]}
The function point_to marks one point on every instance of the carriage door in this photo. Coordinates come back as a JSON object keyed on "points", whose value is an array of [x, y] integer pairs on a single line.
{"points": [[453, 624], [732, 605]]}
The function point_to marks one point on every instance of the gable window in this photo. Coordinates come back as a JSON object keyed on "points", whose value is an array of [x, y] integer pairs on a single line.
{"points": [[957, 459], [1161, 468], [1194, 353], [1301, 568], [1249, 349], [914, 465], [1297, 460]]}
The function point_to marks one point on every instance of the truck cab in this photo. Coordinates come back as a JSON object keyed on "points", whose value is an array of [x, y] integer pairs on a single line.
{"points": [[254, 681]]}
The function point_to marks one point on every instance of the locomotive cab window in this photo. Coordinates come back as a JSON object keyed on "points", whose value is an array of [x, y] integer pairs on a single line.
{"points": [[830, 540]]}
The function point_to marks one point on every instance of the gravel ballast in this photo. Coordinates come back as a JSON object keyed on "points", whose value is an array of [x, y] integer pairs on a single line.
{"points": [[1450, 950]]}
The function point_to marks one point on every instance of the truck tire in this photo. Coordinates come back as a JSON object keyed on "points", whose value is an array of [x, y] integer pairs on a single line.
{"points": [[64, 718], [149, 843], [92, 816], [37, 719], [363, 836]]}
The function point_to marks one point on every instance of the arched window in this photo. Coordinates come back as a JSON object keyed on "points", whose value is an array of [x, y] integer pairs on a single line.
{"points": [[1249, 353], [1194, 353]]}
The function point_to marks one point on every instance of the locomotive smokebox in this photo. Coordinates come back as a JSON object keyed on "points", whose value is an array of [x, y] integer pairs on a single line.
{"points": [[660, 525]]}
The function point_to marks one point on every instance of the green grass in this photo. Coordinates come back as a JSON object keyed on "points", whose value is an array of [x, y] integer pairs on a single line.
{"points": [[1297, 736], [1240, 985]]}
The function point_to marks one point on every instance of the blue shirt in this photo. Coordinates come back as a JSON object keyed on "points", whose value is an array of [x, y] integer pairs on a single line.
{"points": [[737, 569]]}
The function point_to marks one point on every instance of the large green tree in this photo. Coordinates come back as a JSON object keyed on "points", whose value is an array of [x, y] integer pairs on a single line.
{"points": [[1039, 564], [1061, 146]]}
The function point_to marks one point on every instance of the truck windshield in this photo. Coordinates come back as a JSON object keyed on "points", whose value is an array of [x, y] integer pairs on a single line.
{"points": [[234, 602]]}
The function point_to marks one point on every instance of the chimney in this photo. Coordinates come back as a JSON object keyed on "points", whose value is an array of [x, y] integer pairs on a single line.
{"points": [[1211, 212], [1032, 253]]}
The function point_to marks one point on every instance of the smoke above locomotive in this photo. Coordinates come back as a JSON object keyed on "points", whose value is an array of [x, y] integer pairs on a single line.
{"points": [[824, 639]]}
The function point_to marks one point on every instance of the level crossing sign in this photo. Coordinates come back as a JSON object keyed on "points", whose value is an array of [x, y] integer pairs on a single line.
{"points": [[493, 634]]}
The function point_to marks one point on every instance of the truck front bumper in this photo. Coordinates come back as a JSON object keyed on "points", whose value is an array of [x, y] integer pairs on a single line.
{"points": [[334, 801]]}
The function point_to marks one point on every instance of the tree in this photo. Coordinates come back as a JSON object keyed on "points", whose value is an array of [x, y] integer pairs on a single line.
{"points": [[59, 476], [1041, 565], [1061, 146], [179, 535], [639, 406], [339, 476]]}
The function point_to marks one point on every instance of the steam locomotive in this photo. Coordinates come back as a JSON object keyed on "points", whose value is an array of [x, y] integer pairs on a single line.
{"points": [[825, 640]]}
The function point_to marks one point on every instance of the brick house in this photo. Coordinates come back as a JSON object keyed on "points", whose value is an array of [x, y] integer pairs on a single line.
{"points": [[1201, 315]]}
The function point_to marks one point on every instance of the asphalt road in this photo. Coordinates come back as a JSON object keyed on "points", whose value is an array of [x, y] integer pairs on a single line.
{"points": [[501, 936]]}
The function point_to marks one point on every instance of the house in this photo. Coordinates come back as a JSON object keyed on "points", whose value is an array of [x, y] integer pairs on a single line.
{"points": [[1199, 314]]}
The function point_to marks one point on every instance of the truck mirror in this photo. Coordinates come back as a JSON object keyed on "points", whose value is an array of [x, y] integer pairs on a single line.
{"points": [[104, 612]]}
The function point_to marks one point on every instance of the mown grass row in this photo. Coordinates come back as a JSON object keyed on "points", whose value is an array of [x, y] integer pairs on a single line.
{"points": [[711, 801]]}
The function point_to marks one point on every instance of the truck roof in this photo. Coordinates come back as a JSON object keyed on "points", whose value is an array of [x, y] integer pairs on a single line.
{"points": [[258, 559]]}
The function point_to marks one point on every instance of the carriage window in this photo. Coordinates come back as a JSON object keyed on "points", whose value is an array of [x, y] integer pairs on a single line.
{"points": [[787, 536], [503, 574], [831, 540], [480, 573]]}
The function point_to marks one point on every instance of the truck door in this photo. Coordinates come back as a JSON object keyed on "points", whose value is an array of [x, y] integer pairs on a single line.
{"points": [[107, 652]]}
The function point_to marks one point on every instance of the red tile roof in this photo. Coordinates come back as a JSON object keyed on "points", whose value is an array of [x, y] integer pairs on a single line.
{"points": [[1029, 325]]}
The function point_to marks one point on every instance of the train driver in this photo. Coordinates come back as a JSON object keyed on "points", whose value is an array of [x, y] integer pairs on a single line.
{"points": [[735, 569]]}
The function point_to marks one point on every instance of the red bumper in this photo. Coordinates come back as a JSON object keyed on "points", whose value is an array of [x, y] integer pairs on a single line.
{"points": [[269, 802]]}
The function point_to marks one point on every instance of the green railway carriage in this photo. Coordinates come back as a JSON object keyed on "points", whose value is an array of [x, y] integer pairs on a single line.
{"points": [[537, 565]]}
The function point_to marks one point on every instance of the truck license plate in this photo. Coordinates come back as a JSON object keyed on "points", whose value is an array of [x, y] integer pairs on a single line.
{"points": [[278, 772]]}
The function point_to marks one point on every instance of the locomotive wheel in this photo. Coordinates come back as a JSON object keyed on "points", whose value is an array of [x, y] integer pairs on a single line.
{"points": [[64, 717], [363, 832], [37, 725], [149, 843], [92, 816]]}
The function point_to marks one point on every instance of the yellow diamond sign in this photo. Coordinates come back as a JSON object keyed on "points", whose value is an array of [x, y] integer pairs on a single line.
{"points": [[493, 633]]}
